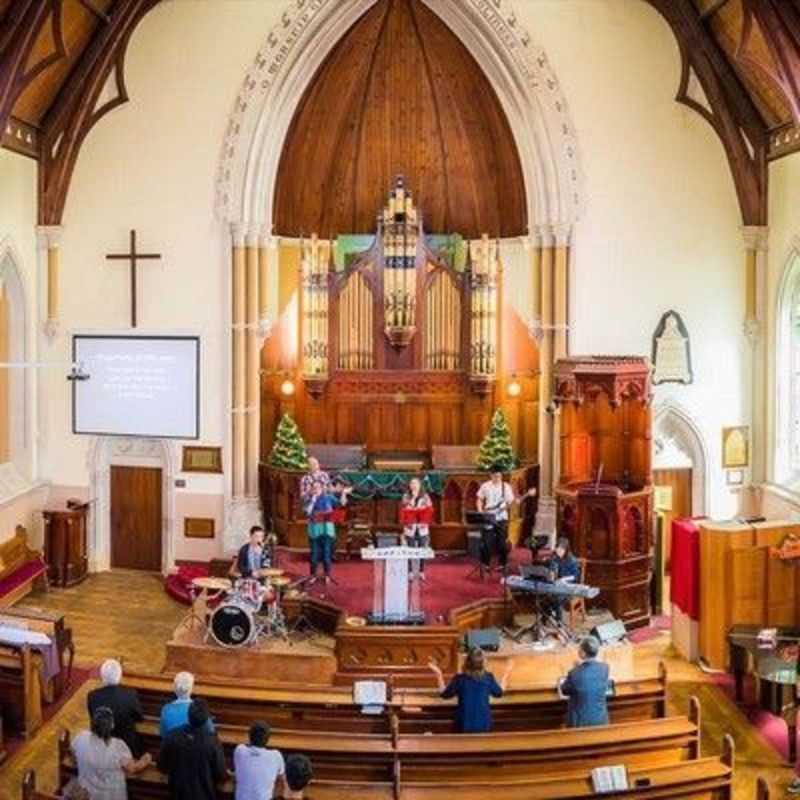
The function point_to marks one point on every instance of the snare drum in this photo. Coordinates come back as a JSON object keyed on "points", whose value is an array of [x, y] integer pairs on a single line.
{"points": [[232, 625]]}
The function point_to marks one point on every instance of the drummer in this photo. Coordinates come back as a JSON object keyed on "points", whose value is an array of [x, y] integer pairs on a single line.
{"points": [[252, 560]]}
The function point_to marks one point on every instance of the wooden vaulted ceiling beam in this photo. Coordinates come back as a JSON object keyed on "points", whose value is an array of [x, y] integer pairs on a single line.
{"points": [[78, 107], [726, 106], [19, 30], [779, 21]]}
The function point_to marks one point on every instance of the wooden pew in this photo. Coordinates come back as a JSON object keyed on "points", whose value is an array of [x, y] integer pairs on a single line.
{"points": [[762, 789], [20, 690], [701, 779], [418, 710], [20, 568], [444, 757], [52, 624], [29, 791]]}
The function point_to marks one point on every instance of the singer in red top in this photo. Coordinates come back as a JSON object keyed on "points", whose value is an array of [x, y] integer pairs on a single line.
{"points": [[416, 513]]}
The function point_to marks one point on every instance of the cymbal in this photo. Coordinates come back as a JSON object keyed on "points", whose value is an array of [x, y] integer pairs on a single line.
{"points": [[209, 582], [272, 572], [284, 581]]}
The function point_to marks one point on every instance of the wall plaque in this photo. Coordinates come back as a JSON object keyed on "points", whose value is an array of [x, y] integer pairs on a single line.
{"points": [[736, 447], [672, 360], [198, 527], [201, 459]]}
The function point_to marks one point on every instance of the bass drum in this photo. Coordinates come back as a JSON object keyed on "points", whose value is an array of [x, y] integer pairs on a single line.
{"points": [[232, 625]]}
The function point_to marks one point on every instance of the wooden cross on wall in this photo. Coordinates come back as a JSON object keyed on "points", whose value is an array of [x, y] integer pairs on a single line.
{"points": [[133, 257]]}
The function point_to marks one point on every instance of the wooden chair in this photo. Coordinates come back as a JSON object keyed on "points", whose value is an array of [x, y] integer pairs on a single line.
{"points": [[577, 605]]}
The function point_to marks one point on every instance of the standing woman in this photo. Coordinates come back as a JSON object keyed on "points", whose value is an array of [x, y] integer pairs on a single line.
{"points": [[416, 532], [104, 761], [473, 687], [319, 507]]}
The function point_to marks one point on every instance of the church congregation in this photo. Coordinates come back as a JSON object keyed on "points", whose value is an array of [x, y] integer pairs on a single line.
{"points": [[399, 399]]}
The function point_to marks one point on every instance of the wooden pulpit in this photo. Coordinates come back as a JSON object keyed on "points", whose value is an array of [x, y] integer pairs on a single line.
{"points": [[605, 482], [65, 545]]}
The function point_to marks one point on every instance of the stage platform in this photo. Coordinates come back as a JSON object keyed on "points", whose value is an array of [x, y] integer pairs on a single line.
{"points": [[314, 661]]}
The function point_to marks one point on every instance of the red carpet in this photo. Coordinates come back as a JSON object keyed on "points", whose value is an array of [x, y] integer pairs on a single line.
{"points": [[771, 727], [79, 677], [447, 584]]}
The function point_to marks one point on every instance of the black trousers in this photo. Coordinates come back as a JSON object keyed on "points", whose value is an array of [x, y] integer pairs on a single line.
{"points": [[494, 542]]}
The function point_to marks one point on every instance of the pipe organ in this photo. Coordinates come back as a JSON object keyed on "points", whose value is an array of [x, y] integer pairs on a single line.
{"points": [[314, 269], [483, 323]]}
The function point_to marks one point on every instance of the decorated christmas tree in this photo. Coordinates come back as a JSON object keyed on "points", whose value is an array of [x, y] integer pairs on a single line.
{"points": [[289, 449], [496, 449]]}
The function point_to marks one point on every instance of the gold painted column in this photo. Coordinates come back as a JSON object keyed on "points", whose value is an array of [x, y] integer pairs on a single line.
{"points": [[49, 240], [253, 258], [238, 362], [755, 246], [561, 237]]}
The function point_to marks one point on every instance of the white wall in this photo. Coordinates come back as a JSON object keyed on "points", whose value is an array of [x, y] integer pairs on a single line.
{"points": [[660, 229]]}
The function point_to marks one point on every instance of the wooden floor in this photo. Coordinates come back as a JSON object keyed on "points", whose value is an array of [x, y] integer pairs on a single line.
{"points": [[128, 615]]}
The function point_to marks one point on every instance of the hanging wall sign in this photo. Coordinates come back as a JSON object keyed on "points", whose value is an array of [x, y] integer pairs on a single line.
{"points": [[672, 360]]}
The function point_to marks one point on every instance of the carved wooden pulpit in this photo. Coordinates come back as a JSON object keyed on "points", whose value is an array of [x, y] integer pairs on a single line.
{"points": [[605, 481]]}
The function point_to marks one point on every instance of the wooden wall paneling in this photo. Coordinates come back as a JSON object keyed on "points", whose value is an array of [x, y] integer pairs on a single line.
{"points": [[717, 586], [680, 481], [747, 600], [781, 593]]}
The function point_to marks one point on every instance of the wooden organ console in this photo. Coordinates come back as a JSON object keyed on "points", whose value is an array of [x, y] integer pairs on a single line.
{"points": [[400, 350], [605, 483]]}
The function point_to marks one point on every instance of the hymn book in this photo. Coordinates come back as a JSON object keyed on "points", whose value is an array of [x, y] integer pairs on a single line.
{"points": [[609, 779]]}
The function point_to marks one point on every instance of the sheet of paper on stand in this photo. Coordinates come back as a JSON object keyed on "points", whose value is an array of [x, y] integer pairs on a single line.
{"points": [[370, 695], [16, 636]]}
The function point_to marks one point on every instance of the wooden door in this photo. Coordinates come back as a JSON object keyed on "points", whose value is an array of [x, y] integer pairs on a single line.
{"points": [[680, 481], [136, 518]]}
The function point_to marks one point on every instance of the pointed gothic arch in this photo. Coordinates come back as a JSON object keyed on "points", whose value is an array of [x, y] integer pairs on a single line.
{"points": [[673, 424], [517, 68]]}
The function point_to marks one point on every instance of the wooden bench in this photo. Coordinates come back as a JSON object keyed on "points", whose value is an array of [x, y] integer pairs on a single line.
{"points": [[20, 690], [700, 779], [442, 757], [20, 568], [418, 710]]}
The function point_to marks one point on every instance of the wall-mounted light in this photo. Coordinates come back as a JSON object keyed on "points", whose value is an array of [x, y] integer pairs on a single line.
{"points": [[287, 388], [514, 389]]}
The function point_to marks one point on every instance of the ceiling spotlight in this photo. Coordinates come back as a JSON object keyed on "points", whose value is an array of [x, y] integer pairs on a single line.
{"points": [[287, 388]]}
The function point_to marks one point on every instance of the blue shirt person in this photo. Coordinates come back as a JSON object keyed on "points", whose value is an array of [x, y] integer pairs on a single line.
{"points": [[586, 688], [564, 564], [176, 714], [473, 687]]}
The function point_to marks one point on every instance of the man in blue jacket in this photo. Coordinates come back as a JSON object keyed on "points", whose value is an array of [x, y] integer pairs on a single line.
{"points": [[585, 687]]}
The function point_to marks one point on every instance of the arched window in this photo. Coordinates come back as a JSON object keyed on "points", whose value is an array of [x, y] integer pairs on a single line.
{"points": [[14, 434], [787, 429]]}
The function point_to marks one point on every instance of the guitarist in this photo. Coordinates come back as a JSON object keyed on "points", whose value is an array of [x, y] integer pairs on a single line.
{"points": [[496, 497]]}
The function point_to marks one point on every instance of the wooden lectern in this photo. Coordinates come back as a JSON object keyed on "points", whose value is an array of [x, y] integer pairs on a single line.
{"points": [[65, 545], [605, 484]]}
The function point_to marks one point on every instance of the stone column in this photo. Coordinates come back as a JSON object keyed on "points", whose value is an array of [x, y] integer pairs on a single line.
{"points": [[238, 363], [253, 257], [50, 240], [755, 245], [546, 350]]}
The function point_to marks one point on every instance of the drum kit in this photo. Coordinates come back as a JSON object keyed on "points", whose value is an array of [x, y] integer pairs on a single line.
{"points": [[249, 610]]}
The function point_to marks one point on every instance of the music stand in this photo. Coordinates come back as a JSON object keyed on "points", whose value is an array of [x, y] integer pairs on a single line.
{"points": [[484, 521]]}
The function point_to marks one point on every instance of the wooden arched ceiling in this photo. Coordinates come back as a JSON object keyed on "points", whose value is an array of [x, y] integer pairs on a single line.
{"points": [[400, 94]]}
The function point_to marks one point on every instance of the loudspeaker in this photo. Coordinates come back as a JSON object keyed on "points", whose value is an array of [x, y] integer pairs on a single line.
{"points": [[387, 539], [608, 632], [485, 638]]}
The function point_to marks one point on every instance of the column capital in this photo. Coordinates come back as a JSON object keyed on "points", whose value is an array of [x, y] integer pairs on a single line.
{"points": [[238, 230], [555, 234], [756, 237], [49, 236]]}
